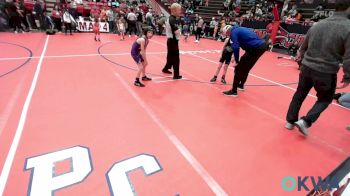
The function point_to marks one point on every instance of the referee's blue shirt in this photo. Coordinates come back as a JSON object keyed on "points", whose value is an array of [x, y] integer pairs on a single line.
{"points": [[242, 37]]}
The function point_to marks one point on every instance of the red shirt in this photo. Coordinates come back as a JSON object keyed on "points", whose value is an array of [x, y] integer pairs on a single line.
{"points": [[56, 14], [144, 8], [117, 10], [124, 7], [95, 13]]}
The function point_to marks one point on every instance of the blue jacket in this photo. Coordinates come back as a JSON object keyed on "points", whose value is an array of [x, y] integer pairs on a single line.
{"points": [[242, 37]]}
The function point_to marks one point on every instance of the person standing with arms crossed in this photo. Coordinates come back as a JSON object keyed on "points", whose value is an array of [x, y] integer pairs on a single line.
{"points": [[173, 33], [326, 46]]}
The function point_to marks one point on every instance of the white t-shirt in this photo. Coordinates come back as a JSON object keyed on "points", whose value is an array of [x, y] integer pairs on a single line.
{"points": [[67, 18], [132, 17]]}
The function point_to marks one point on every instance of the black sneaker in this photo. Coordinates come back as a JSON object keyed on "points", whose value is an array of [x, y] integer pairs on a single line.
{"points": [[145, 78], [240, 87], [139, 84], [223, 81], [230, 93], [166, 71], [213, 79], [177, 77]]}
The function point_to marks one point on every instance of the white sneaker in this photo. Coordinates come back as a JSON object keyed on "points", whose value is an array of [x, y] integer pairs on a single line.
{"points": [[289, 126], [302, 126]]}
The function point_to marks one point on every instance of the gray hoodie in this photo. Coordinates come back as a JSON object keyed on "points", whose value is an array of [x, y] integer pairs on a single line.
{"points": [[327, 44]]}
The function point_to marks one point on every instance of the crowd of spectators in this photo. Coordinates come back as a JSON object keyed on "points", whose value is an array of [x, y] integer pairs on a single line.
{"points": [[131, 16], [289, 12], [17, 16]]}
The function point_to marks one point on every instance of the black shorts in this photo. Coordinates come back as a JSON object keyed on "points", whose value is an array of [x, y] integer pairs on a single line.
{"points": [[226, 57]]}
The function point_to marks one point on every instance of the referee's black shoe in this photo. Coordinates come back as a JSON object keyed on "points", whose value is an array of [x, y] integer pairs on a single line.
{"points": [[177, 77], [166, 71]]}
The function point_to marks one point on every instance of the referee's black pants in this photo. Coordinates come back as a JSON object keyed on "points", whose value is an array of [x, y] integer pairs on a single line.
{"points": [[173, 57]]}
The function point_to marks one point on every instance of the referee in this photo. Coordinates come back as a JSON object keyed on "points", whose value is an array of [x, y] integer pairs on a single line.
{"points": [[173, 34]]}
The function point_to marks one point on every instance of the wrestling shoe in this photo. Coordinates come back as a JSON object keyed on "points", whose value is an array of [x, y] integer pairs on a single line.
{"points": [[223, 81], [213, 79], [145, 78], [139, 84]]}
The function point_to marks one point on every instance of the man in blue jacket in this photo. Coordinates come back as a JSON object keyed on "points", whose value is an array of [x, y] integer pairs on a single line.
{"points": [[254, 47]]}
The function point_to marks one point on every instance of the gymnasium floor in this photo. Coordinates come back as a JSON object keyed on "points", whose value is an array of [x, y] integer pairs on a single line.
{"points": [[69, 93]]}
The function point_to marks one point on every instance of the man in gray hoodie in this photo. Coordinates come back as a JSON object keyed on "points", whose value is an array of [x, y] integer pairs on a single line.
{"points": [[326, 46]]}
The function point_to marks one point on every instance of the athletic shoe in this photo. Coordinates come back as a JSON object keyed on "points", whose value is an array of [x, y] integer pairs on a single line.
{"points": [[177, 77], [166, 71], [240, 87], [139, 84], [289, 126], [348, 128], [95, 39], [230, 93], [213, 79], [223, 81], [145, 78], [99, 40], [302, 126]]}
